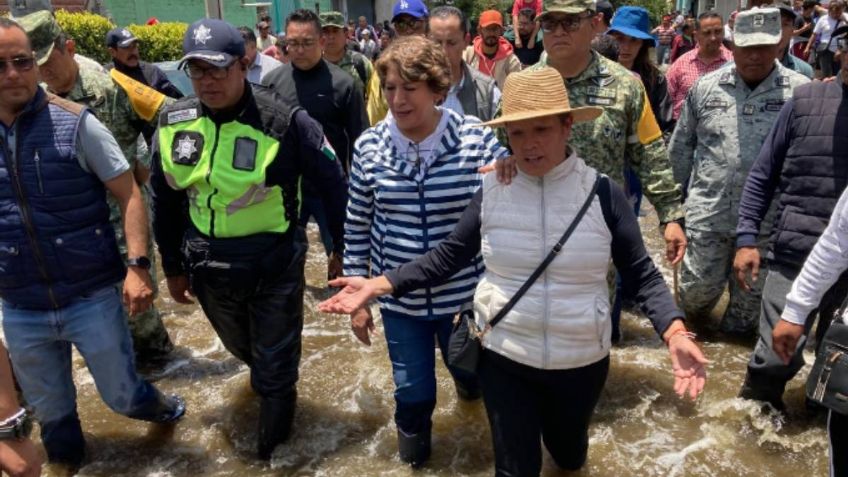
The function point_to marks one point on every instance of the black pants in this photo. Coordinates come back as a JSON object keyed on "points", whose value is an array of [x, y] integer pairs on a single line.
{"points": [[837, 430], [524, 403], [253, 296], [767, 375]]}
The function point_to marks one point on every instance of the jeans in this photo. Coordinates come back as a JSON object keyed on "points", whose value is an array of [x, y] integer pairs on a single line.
{"points": [[767, 375], [39, 343], [411, 350], [254, 301], [524, 403], [829, 67], [662, 54], [313, 206]]}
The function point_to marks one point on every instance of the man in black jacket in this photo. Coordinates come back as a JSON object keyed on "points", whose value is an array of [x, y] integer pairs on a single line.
{"points": [[804, 166], [328, 93]]}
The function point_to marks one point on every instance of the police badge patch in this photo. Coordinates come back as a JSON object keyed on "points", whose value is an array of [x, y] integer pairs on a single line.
{"points": [[186, 148]]}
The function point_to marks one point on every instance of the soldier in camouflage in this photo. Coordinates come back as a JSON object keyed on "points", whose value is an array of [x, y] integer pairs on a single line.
{"points": [[334, 31], [722, 125], [627, 127], [121, 115]]}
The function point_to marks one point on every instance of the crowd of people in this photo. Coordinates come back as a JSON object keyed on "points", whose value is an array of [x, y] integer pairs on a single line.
{"points": [[441, 169]]}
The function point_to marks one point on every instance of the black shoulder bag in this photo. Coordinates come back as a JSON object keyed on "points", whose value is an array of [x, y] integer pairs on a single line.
{"points": [[464, 346], [828, 380]]}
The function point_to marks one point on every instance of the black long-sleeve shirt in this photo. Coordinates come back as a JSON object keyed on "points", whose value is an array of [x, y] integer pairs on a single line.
{"points": [[330, 95], [641, 279], [302, 152]]}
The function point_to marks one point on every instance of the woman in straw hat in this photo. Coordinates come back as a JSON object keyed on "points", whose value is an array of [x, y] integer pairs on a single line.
{"points": [[412, 176], [543, 366]]}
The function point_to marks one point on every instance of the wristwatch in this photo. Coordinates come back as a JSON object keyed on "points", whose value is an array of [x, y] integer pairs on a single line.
{"points": [[140, 262], [16, 427]]}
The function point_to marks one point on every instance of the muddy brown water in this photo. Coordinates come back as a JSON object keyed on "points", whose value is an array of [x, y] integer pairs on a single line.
{"points": [[344, 423]]}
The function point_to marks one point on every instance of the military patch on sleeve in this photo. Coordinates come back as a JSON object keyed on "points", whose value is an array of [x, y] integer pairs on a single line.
{"points": [[648, 130], [182, 115], [328, 150], [244, 156], [187, 148]]}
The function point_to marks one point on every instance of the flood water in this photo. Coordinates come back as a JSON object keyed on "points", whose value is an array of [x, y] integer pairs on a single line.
{"points": [[344, 424]]}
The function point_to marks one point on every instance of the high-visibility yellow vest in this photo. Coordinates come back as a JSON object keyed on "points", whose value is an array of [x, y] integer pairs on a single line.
{"points": [[222, 167]]}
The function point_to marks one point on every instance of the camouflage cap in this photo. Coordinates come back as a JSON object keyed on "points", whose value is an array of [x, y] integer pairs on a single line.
{"points": [[756, 27], [332, 19], [42, 29], [568, 6]]}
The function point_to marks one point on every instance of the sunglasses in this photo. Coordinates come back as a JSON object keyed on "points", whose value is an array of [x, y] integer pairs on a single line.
{"points": [[568, 23], [403, 26], [23, 63]]}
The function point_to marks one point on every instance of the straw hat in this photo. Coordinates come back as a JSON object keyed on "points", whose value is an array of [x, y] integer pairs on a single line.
{"points": [[538, 93]]}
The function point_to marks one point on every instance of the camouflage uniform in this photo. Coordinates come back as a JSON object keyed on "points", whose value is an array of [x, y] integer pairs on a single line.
{"points": [[627, 128], [112, 106], [721, 128], [348, 63]]}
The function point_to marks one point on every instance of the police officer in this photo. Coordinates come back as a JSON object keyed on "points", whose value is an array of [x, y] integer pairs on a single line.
{"points": [[227, 168], [120, 114], [722, 125]]}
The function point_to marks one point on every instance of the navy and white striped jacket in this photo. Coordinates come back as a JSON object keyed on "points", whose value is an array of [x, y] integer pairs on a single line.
{"points": [[392, 218]]}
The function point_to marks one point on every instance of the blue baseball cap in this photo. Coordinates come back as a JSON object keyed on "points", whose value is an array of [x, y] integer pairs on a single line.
{"points": [[120, 38], [633, 22], [414, 8], [213, 41]]}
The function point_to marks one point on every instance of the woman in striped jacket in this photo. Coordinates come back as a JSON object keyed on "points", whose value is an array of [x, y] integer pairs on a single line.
{"points": [[412, 176]]}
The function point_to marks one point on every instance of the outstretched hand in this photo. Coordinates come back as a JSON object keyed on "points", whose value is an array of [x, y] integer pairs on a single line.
{"points": [[687, 362], [354, 294]]}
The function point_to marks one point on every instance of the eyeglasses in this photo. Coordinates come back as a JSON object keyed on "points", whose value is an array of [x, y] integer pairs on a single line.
{"points": [[403, 26], [568, 23], [196, 72], [295, 45], [23, 63]]}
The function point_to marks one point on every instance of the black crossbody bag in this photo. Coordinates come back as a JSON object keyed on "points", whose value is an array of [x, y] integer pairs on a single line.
{"points": [[828, 380], [464, 346]]}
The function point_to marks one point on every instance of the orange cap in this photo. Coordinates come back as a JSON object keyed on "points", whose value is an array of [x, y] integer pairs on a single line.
{"points": [[490, 17]]}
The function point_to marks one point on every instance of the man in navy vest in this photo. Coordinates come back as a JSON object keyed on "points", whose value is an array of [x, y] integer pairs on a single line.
{"points": [[803, 166], [60, 269]]}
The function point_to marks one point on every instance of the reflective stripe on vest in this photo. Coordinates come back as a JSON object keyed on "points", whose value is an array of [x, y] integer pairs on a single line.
{"points": [[222, 167]]}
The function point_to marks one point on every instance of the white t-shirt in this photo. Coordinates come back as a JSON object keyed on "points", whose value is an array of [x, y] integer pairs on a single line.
{"points": [[825, 27]]}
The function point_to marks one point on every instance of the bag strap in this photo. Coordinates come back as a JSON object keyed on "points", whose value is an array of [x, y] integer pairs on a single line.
{"points": [[550, 258]]}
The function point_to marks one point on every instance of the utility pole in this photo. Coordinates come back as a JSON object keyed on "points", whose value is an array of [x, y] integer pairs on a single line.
{"points": [[214, 9]]}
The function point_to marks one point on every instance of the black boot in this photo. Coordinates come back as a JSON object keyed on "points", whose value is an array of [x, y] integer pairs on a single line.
{"points": [[467, 392], [414, 449], [758, 388], [275, 423]]}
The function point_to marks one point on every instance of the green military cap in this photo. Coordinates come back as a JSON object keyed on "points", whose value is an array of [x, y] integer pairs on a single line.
{"points": [[568, 6], [42, 29], [332, 19], [757, 26]]}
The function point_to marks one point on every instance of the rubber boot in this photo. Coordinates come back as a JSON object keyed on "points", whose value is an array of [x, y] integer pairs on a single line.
{"points": [[275, 422], [467, 393], [759, 389], [414, 449]]}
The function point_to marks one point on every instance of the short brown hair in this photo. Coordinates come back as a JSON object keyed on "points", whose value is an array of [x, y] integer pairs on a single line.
{"points": [[417, 59]]}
